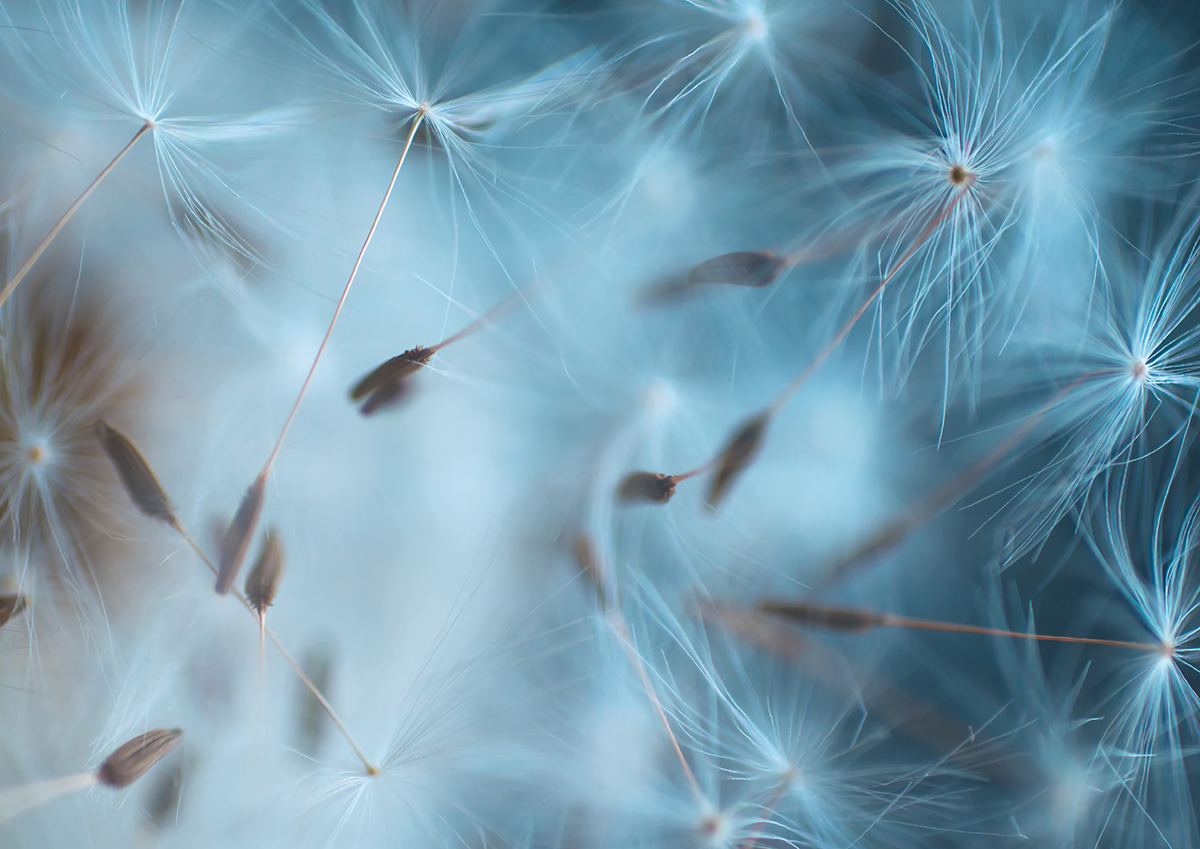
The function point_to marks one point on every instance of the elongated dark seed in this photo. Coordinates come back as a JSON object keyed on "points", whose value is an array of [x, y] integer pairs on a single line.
{"points": [[738, 454], [312, 720], [10, 606], [391, 372], [819, 616], [237, 537], [136, 475], [585, 554], [130, 762], [263, 581], [753, 269], [647, 486], [388, 395]]}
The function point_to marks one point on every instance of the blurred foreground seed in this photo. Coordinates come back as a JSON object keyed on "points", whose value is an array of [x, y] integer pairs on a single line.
{"points": [[311, 719], [738, 454], [819, 616], [10, 606], [237, 538], [130, 762], [754, 269], [585, 554], [138, 478], [648, 486]]}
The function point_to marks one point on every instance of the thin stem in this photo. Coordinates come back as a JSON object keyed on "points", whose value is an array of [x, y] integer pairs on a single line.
{"points": [[891, 620], [828, 350], [775, 406], [623, 634], [17, 800], [420, 116], [16, 279], [767, 807], [491, 315], [897, 530], [263, 629]]}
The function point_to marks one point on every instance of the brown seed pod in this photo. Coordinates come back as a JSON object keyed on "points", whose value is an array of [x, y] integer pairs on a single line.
{"points": [[263, 581], [819, 616], [738, 454], [647, 486], [754, 269], [237, 537], [138, 478], [391, 372], [10, 606], [130, 762]]}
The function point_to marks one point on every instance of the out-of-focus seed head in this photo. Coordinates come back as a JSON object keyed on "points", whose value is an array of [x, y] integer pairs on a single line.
{"points": [[61, 369], [263, 581], [131, 761], [647, 486]]}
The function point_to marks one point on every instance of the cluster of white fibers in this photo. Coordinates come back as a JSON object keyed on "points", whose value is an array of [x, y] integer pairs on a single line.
{"points": [[701, 424]]}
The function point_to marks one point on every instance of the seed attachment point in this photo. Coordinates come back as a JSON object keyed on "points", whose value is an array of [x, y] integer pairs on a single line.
{"points": [[387, 384]]}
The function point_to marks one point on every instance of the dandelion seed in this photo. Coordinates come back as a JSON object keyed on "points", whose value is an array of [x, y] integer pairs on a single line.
{"points": [[136, 475], [738, 454], [387, 385], [131, 761], [829, 618], [648, 486], [237, 538], [10, 606], [754, 269], [263, 581]]}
